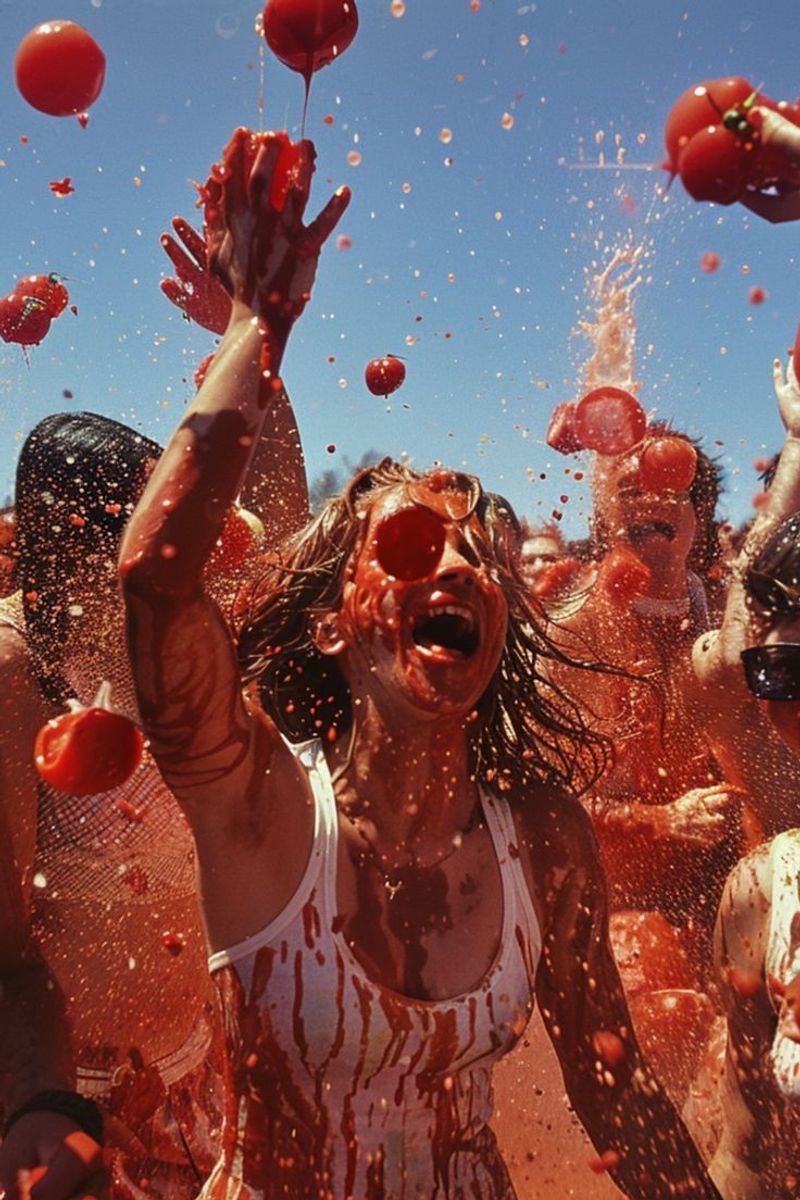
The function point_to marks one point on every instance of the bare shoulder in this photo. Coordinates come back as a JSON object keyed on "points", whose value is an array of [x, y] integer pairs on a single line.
{"points": [[743, 915]]}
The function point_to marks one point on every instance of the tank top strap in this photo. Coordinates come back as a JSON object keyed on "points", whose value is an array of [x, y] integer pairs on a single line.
{"points": [[526, 930], [311, 757]]}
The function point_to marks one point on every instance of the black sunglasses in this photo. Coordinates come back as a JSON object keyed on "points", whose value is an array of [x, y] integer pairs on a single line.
{"points": [[773, 672]]}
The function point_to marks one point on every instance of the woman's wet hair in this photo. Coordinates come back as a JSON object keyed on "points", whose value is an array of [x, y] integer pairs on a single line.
{"points": [[525, 728], [78, 478], [772, 580]]}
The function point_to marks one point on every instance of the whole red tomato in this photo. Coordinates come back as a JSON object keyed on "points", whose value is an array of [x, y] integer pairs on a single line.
{"points": [[23, 320], [384, 375], [716, 165], [88, 751], [624, 576], [667, 464], [700, 106], [409, 543], [59, 68], [561, 432], [47, 288], [609, 420], [308, 34]]}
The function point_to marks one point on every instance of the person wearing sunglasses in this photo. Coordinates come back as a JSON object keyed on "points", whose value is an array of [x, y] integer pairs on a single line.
{"points": [[392, 863], [757, 949]]}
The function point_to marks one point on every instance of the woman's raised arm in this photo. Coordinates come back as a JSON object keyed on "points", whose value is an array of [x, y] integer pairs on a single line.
{"points": [[184, 665]]}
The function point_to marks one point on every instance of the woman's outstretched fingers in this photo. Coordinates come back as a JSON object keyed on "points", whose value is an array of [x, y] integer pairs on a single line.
{"points": [[324, 224], [191, 239]]}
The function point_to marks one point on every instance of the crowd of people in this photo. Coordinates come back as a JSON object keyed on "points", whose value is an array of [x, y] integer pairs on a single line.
{"points": [[413, 770]]}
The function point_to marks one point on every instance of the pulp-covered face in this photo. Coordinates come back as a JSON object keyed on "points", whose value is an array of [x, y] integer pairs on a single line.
{"points": [[423, 618], [659, 526], [536, 553]]}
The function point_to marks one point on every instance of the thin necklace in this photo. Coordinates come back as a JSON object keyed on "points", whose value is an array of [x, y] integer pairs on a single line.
{"points": [[392, 880]]}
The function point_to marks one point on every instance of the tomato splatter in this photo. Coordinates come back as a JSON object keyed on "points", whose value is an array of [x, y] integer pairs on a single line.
{"points": [[409, 543], [610, 421], [61, 187]]}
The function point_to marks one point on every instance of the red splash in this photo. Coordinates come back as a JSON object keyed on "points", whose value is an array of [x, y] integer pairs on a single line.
{"points": [[61, 187]]}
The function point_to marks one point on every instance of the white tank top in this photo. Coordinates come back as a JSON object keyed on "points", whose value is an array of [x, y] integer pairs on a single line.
{"points": [[341, 1088]]}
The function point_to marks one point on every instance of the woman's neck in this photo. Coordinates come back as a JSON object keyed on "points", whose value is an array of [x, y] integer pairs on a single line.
{"points": [[412, 782]]}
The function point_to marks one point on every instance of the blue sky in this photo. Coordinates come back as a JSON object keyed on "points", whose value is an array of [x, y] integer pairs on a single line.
{"points": [[468, 256]]}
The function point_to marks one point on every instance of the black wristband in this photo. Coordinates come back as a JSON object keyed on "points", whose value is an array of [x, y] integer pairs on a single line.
{"points": [[85, 1113]]}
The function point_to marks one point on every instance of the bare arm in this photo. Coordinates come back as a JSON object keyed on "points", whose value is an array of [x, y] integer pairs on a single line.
{"points": [[185, 668], [275, 487], [623, 1108], [746, 744]]}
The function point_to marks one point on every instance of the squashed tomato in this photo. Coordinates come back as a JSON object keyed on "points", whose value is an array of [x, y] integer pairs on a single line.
{"points": [[609, 420], [409, 543], [561, 432], [88, 750], [59, 68]]}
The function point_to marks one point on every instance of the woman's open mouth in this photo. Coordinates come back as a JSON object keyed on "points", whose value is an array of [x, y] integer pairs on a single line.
{"points": [[450, 628]]}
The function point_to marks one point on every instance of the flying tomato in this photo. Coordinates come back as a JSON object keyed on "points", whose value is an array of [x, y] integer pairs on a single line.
{"points": [[609, 420], [561, 432], [308, 34], [47, 288], [667, 464], [59, 68], [384, 375], [23, 319], [88, 750]]}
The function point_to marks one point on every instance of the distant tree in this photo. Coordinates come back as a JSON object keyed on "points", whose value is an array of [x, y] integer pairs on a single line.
{"points": [[332, 480]]}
